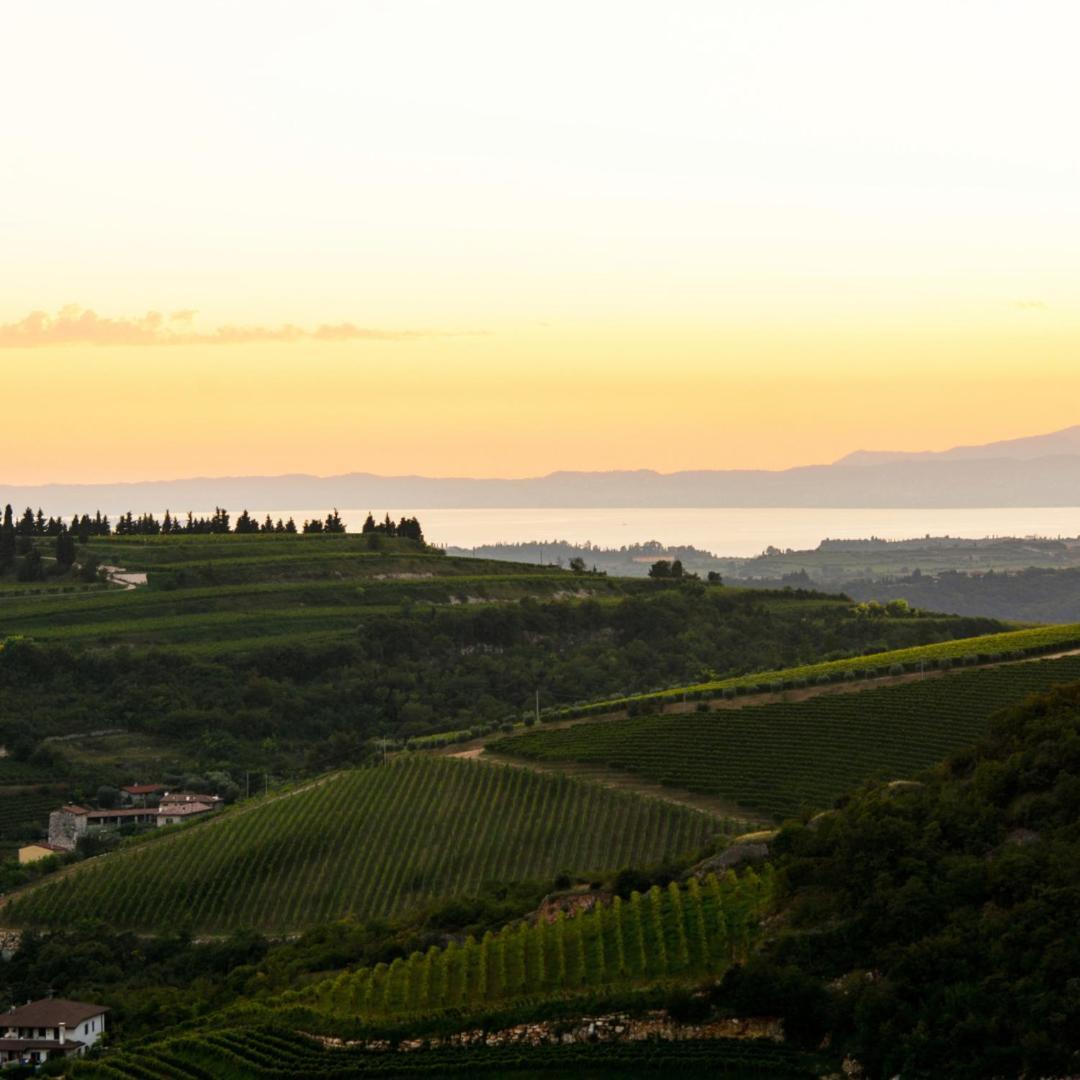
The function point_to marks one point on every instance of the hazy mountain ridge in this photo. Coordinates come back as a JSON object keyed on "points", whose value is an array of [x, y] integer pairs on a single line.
{"points": [[1028, 448], [1039, 471]]}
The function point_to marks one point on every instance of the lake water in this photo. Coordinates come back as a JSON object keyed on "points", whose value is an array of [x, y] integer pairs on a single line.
{"points": [[723, 531]]}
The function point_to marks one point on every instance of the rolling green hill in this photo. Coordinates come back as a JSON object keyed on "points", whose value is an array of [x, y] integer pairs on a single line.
{"points": [[785, 757], [371, 842]]}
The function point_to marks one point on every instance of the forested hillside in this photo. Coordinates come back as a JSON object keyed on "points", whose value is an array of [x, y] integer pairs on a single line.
{"points": [[949, 909]]}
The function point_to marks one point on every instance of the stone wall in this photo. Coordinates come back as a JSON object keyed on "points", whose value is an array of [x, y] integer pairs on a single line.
{"points": [[63, 830], [614, 1027]]}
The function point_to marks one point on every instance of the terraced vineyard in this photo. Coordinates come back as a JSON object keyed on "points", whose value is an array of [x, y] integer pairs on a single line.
{"points": [[267, 1053], [781, 758], [370, 842], [699, 929]]}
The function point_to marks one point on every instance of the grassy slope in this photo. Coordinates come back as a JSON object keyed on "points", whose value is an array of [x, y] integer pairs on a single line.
{"points": [[371, 842], [781, 758]]}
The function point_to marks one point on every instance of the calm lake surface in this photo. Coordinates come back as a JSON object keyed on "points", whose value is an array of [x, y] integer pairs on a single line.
{"points": [[722, 531]]}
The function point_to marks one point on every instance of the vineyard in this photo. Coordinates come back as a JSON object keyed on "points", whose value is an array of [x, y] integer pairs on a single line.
{"points": [[24, 815], [783, 758], [256, 1053], [370, 842], [984, 649], [674, 931]]}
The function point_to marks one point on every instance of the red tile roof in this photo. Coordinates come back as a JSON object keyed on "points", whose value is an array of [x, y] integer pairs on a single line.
{"points": [[143, 789], [51, 1012]]}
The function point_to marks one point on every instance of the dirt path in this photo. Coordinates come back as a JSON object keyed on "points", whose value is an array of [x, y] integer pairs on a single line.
{"points": [[126, 579], [626, 781], [771, 698]]}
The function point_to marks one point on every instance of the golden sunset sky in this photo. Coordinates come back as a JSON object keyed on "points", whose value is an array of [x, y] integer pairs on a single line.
{"points": [[490, 237]]}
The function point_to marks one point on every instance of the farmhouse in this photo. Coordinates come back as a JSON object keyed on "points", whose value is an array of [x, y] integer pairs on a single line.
{"points": [[30, 853], [51, 1027], [140, 794], [180, 806], [71, 822]]}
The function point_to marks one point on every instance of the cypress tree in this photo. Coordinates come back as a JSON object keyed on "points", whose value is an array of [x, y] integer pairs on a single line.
{"points": [[65, 550]]}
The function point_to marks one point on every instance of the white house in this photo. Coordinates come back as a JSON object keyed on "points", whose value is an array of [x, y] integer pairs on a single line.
{"points": [[51, 1027]]}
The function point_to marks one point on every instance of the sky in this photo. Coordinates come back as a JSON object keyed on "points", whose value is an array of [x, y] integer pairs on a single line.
{"points": [[500, 238]]}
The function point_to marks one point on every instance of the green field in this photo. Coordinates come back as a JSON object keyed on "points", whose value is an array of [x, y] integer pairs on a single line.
{"points": [[781, 758], [371, 842]]}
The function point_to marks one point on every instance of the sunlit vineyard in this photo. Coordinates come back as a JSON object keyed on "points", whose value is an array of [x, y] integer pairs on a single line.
{"points": [[369, 842], [985, 649], [258, 1053], [781, 758], [674, 931]]}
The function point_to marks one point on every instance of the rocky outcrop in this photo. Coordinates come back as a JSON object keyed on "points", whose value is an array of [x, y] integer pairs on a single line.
{"points": [[568, 903], [611, 1028]]}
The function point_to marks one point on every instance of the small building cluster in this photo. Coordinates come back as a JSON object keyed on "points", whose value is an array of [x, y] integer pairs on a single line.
{"points": [[149, 805], [52, 1027]]}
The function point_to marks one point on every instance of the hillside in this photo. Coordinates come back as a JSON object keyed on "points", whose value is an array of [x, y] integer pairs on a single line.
{"points": [[783, 758], [366, 843], [1031, 595], [923, 930], [947, 911]]}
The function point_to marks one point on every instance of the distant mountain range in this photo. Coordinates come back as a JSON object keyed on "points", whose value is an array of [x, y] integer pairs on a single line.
{"points": [[1043, 470], [1057, 443]]}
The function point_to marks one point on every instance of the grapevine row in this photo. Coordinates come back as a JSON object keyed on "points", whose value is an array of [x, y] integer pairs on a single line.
{"points": [[371, 842], [784, 757]]}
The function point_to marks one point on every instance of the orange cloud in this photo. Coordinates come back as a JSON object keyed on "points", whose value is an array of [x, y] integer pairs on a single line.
{"points": [[73, 325]]}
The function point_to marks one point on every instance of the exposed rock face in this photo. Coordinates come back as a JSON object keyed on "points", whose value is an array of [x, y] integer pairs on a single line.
{"points": [[735, 855], [569, 903], [10, 940]]}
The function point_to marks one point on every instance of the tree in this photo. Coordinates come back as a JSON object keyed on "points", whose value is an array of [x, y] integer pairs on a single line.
{"points": [[65, 550], [369, 524], [32, 568], [108, 797], [660, 569], [577, 564], [334, 524], [7, 539], [245, 523]]}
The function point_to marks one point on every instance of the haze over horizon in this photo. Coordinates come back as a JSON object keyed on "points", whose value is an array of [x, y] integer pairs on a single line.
{"points": [[422, 238]]}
